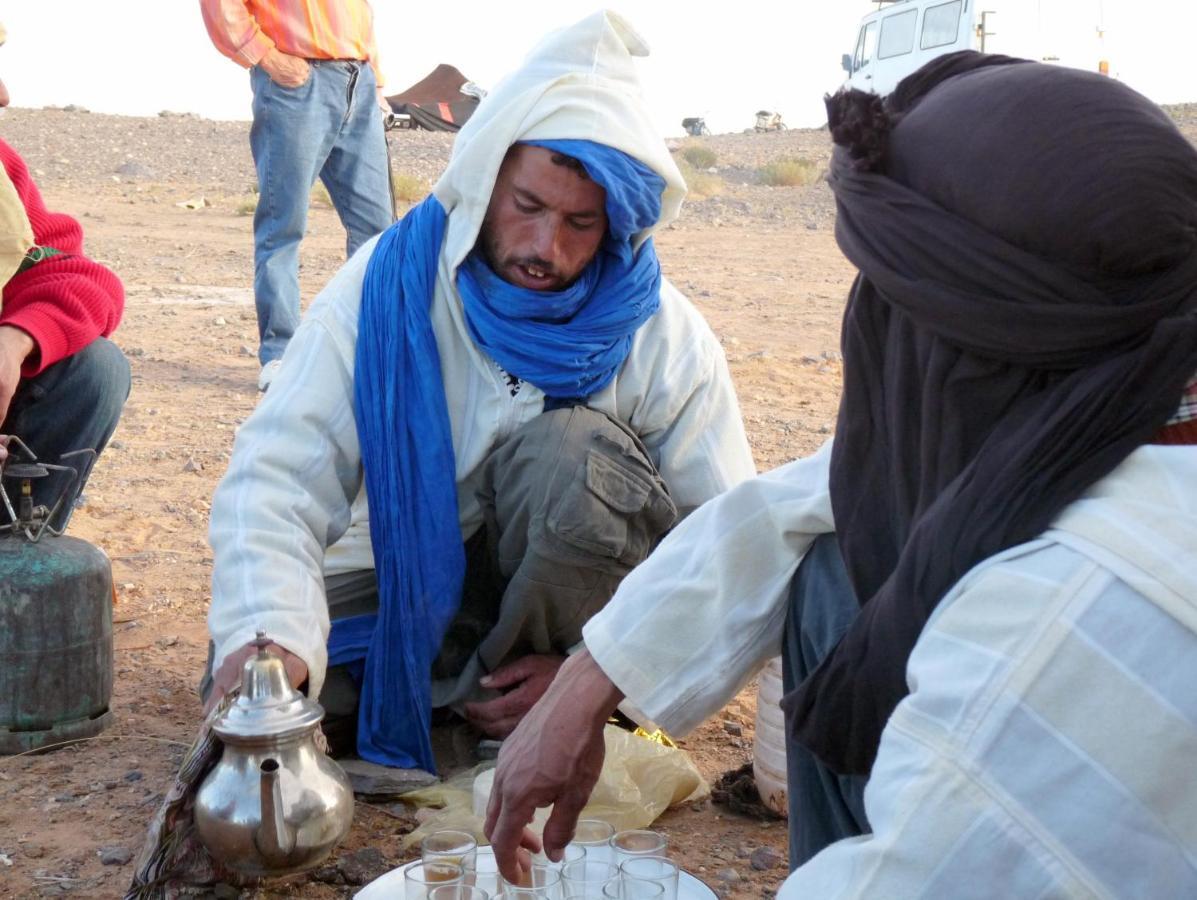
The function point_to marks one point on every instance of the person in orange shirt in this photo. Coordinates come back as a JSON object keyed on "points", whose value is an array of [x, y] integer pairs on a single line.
{"points": [[317, 112]]}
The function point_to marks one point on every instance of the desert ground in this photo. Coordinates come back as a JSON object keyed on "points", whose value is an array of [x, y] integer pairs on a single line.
{"points": [[165, 203]]}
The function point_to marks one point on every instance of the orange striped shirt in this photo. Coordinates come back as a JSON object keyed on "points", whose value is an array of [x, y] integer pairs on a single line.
{"points": [[244, 30]]}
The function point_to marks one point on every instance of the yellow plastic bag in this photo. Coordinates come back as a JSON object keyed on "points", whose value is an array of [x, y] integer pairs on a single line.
{"points": [[641, 778]]}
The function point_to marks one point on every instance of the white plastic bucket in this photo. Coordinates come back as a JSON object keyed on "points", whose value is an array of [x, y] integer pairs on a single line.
{"points": [[769, 748]]}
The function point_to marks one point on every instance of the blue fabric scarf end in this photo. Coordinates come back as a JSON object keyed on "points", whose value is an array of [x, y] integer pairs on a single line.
{"points": [[410, 470]]}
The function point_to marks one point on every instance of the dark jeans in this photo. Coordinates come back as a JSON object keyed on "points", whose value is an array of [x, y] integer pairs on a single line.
{"points": [[72, 405], [824, 807]]}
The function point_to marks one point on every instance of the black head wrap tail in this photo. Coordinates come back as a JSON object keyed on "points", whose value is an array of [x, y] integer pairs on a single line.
{"points": [[1023, 319]]}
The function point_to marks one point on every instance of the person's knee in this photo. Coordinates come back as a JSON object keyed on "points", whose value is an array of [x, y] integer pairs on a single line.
{"points": [[610, 501], [577, 432], [112, 364], [102, 374]]}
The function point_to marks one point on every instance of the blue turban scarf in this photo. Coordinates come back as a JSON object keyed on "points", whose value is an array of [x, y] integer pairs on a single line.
{"points": [[568, 343]]}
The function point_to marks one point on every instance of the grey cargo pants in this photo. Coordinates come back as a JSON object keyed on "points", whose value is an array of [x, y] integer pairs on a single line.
{"points": [[571, 502]]}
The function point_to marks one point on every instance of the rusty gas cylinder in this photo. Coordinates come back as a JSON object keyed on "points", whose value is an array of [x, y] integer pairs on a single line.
{"points": [[55, 627]]}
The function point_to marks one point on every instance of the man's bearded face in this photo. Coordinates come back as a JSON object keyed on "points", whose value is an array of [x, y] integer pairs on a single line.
{"points": [[545, 220]]}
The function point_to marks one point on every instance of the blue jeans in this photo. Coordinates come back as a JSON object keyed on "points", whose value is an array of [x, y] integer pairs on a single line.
{"points": [[824, 806], [330, 127], [72, 405]]}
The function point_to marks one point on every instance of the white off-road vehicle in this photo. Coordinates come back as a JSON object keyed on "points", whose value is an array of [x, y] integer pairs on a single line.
{"points": [[901, 35]]}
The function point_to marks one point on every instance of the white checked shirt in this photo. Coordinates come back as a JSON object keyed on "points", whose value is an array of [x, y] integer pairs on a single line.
{"points": [[1048, 747]]}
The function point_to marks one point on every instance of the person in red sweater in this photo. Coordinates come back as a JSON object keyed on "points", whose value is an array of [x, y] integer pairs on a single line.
{"points": [[62, 382]]}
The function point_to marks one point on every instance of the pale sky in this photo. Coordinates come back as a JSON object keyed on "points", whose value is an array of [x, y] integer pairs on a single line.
{"points": [[720, 60]]}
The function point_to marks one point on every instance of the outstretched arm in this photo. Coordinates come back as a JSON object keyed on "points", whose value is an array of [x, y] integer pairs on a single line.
{"points": [[288, 493], [554, 756], [686, 629]]}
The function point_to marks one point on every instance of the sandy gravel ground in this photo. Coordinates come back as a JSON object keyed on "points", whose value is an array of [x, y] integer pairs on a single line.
{"points": [[760, 262]]}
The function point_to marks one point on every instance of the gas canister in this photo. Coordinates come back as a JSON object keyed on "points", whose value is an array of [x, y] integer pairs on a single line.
{"points": [[55, 617]]}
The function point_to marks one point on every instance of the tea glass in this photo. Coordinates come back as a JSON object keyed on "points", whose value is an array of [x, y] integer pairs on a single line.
{"points": [[458, 847], [538, 883], [637, 842], [457, 892], [585, 878], [571, 853], [633, 889], [486, 878], [420, 878], [594, 836], [658, 869]]}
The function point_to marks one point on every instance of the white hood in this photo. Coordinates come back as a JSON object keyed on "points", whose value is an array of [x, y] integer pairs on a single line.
{"points": [[578, 83]]}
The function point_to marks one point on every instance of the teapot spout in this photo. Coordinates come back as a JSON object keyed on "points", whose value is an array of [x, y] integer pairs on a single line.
{"points": [[274, 840]]}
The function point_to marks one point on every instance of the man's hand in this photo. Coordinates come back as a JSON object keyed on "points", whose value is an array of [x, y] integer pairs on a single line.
{"points": [[228, 676], [15, 346], [553, 757], [383, 103], [284, 69], [524, 681]]}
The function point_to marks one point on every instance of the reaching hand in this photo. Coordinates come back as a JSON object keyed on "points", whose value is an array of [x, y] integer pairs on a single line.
{"points": [[284, 69], [15, 346], [527, 678], [228, 676], [553, 757]]}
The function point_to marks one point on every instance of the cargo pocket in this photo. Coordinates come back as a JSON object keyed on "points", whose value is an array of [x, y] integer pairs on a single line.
{"points": [[615, 511], [593, 512]]}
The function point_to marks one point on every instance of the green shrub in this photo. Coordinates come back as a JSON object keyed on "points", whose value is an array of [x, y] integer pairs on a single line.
{"points": [[699, 157], [408, 188], [790, 171], [700, 184], [247, 205]]}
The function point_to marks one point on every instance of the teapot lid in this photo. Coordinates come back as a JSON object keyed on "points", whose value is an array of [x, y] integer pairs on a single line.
{"points": [[268, 707]]}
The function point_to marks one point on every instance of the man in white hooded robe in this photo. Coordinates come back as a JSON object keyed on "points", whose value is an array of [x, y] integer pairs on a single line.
{"points": [[557, 497]]}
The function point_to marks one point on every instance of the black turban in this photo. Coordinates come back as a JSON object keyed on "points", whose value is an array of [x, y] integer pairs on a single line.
{"points": [[1024, 318]]}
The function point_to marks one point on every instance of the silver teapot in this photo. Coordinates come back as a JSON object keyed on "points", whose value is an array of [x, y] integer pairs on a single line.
{"points": [[275, 803]]}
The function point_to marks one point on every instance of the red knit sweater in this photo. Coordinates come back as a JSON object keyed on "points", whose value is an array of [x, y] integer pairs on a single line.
{"points": [[63, 302]]}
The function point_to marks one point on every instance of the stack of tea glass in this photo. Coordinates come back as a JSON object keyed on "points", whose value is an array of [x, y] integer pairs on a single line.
{"points": [[599, 864]]}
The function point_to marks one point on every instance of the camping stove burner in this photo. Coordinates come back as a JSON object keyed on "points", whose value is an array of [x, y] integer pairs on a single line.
{"points": [[34, 521], [25, 471]]}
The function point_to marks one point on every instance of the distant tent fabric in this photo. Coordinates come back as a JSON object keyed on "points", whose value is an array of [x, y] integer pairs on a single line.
{"points": [[436, 102]]}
